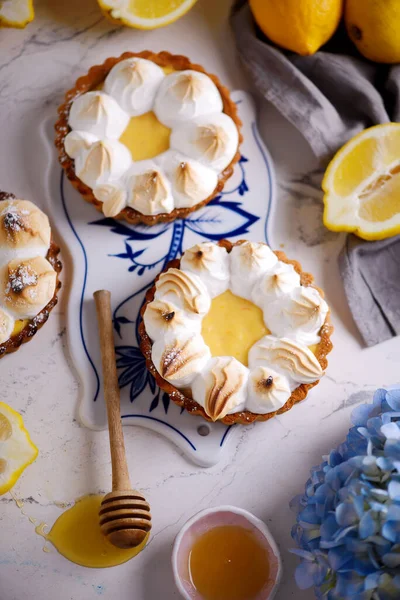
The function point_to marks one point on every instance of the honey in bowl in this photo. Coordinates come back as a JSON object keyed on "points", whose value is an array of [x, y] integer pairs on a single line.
{"points": [[226, 553], [229, 563]]}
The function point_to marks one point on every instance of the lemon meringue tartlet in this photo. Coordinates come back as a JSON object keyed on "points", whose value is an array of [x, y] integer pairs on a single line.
{"points": [[148, 137], [235, 332], [29, 270]]}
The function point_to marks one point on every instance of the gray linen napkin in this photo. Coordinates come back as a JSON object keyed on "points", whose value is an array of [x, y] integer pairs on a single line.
{"points": [[329, 97], [371, 278]]}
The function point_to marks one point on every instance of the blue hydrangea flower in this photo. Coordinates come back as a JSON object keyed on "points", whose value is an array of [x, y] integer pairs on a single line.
{"points": [[348, 520]]}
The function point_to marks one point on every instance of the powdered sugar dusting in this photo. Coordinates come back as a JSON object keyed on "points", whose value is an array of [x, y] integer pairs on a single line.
{"points": [[20, 279]]}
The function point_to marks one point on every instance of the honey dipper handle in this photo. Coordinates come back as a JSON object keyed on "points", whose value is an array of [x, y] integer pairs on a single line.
{"points": [[120, 473]]}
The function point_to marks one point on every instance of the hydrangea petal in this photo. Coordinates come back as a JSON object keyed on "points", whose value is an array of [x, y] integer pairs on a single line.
{"points": [[393, 398], [391, 430], [368, 525], [394, 489], [350, 512]]}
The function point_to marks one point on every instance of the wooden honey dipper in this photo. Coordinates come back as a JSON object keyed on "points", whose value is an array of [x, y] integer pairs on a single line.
{"points": [[125, 517]]}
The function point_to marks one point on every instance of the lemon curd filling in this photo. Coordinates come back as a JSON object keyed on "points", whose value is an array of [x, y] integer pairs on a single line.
{"points": [[232, 326], [145, 137], [19, 325]]}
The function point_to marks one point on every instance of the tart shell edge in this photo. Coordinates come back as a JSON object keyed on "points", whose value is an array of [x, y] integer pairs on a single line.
{"points": [[94, 77], [243, 417], [33, 325]]}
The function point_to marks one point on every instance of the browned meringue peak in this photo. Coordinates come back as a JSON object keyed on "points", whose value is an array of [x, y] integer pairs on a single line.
{"points": [[202, 256], [184, 289], [267, 390], [6, 326], [97, 163], [134, 72], [187, 180], [27, 286], [188, 86], [162, 317], [226, 383], [255, 253], [22, 224], [78, 141], [113, 197], [179, 359], [150, 187], [94, 109], [212, 141], [286, 356], [307, 309], [165, 315]]}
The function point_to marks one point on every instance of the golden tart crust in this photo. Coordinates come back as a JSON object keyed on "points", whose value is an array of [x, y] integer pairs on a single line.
{"points": [[243, 417], [33, 325], [95, 77]]}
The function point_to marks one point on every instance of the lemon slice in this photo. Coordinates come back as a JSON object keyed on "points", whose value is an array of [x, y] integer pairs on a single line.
{"points": [[16, 448], [145, 14], [16, 13], [362, 185]]}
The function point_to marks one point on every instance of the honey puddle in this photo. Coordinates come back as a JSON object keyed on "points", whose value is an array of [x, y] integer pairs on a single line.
{"points": [[229, 563], [77, 536]]}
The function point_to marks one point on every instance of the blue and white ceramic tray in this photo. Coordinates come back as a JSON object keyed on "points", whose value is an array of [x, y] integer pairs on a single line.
{"points": [[125, 259]]}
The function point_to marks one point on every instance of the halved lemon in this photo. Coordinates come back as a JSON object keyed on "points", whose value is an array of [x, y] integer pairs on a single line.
{"points": [[16, 13], [362, 184], [16, 448], [145, 14]]}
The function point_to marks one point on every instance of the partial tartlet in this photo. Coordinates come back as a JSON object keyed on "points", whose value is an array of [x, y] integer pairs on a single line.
{"points": [[281, 310], [148, 137], [29, 271]]}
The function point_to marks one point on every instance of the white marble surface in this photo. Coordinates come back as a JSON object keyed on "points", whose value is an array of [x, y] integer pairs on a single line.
{"points": [[271, 461]]}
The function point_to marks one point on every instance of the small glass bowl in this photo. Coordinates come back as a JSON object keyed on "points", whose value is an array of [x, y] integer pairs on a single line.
{"points": [[216, 517]]}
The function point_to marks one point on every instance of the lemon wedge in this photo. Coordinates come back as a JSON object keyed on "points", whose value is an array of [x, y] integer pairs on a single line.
{"points": [[16, 448], [145, 14], [362, 184], [16, 13]]}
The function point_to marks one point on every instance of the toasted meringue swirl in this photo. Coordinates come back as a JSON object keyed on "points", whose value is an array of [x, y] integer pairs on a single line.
{"points": [[99, 114], [188, 87], [185, 95], [288, 357], [211, 263], [113, 196], [268, 390], [249, 261], [221, 387], [179, 359], [134, 83], [24, 229], [211, 140], [149, 191], [105, 160], [161, 317], [282, 279], [27, 286], [185, 289], [307, 312], [227, 381]]}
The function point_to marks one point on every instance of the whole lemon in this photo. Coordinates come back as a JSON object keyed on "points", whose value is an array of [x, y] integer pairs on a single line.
{"points": [[302, 26], [374, 27]]}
